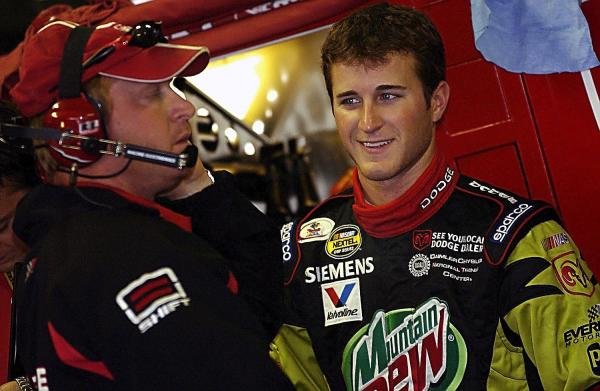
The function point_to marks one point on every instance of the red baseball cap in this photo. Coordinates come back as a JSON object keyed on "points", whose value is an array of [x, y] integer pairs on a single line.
{"points": [[110, 51]]}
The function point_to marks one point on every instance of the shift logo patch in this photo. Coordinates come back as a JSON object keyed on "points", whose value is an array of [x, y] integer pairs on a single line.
{"points": [[343, 242], [421, 239], [571, 275], [316, 229], [151, 298], [418, 347], [341, 301]]}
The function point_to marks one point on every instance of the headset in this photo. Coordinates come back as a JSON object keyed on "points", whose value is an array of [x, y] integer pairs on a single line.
{"points": [[74, 126]]}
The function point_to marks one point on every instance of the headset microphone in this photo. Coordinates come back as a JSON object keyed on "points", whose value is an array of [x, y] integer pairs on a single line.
{"points": [[187, 158], [94, 145]]}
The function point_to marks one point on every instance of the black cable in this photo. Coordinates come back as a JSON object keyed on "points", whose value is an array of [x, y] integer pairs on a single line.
{"points": [[87, 176]]}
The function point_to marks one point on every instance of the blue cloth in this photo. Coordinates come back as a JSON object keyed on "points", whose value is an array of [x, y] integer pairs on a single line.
{"points": [[533, 36]]}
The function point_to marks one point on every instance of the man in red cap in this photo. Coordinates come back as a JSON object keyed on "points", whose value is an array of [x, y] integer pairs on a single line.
{"points": [[120, 292]]}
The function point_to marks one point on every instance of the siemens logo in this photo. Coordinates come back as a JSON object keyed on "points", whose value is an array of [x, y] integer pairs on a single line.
{"points": [[331, 272]]}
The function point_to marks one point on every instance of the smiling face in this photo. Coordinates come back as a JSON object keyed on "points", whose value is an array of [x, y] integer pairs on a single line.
{"points": [[385, 122], [11, 248], [151, 115]]}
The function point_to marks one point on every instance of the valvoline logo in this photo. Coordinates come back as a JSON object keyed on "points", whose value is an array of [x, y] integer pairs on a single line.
{"points": [[342, 299], [418, 347]]}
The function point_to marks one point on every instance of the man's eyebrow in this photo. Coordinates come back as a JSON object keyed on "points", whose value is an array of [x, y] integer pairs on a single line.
{"points": [[346, 93], [382, 87], [385, 87]]}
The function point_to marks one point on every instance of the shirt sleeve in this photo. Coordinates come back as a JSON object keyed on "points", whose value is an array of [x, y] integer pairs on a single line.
{"points": [[549, 333], [247, 239]]}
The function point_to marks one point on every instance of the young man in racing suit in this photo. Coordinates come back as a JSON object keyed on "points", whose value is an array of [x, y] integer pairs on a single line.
{"points": [[119, 292], [420, 278]]}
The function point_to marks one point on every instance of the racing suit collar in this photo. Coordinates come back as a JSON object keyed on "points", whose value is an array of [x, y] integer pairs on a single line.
{"points": [[425, 197]]}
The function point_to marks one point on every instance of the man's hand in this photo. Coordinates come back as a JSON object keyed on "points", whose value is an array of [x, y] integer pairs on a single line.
{"points": [[197, 180], [10, 386]]}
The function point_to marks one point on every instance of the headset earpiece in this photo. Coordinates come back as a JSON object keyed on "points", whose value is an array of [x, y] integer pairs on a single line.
{"points": [[74, 111], [79, 116]]}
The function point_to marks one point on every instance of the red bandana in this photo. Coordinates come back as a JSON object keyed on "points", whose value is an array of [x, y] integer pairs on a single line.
{"points": [[425, 197]]}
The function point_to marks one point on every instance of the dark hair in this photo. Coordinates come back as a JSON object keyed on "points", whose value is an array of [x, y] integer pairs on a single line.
{"points": [[367, 36], [17, 166], [17, 169]]}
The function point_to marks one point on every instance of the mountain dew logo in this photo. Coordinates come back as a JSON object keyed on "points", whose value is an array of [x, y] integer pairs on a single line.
{"points": [[406, 349]]}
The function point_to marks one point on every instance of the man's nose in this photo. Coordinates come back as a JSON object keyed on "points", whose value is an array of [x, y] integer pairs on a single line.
{"points": [[181, 108], [370, 118]]}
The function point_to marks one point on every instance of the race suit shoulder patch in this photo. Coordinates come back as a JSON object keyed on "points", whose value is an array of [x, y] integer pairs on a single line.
{"points": [[315, 227], [515, 215], [406, 346], [315, 230]]}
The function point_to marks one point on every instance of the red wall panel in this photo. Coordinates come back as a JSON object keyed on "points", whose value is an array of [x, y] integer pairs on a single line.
{"points": [[488, 113], [535, 135], [571, 142]]}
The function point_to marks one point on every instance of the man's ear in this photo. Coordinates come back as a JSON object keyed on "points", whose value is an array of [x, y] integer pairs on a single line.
{"points": [[439, 100]]}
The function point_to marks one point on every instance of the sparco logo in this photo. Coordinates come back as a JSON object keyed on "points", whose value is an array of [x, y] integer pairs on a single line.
{"points": [[438, 188], [285, 241], [508, 222], [417, 347]]}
